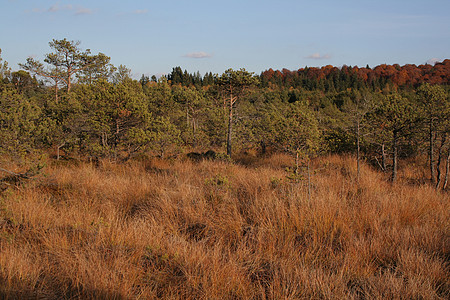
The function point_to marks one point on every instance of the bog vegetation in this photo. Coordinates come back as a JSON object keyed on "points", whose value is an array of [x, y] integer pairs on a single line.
{"points": [[317, 183]]}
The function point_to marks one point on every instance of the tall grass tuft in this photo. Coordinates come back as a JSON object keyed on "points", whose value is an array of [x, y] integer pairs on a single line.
{"points": [[216, 230]]}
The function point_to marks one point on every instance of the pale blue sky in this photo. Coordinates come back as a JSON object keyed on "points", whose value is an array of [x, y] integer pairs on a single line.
{"points": [[150, 37]]}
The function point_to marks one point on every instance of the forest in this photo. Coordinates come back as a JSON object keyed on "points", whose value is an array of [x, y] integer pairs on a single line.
{"points": [[209, 186], [78, 104]]}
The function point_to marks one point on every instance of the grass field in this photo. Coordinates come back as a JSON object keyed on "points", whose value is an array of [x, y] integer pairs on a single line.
{"points": [[216, 230]]}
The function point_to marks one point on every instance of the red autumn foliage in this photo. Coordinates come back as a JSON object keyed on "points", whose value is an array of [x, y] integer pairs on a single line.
{"points": [[407, 75]]}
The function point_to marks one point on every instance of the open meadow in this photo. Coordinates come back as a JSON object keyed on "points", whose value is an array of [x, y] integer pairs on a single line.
{"points": [[218, 230]]}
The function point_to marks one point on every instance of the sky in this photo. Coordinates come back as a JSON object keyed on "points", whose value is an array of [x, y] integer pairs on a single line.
{"points": [[152, 37]]}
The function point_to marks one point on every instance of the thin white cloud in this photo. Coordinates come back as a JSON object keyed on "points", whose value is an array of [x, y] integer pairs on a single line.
{"points": [[83, 11], [140, 11], [54, 8], [57, 7], [198, 55], [433, 61], [318, 56], [36, 10]]}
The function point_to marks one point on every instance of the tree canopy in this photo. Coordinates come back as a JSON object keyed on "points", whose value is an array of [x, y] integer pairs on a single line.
{"points": [[90, 108]]}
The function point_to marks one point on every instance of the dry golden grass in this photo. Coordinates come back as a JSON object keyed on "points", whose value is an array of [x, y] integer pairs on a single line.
{"points": [[216, 230]]}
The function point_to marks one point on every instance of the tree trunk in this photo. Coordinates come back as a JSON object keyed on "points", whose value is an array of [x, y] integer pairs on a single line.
{"points": [[187, 117], [194, 130], [309, 180], [56, 92], [439, 160], [230, 126], [69, 83], [58, 147], [394, 160], [358, 167], [431, 150], [56, 79], [263, 148], [383, 158], [116, 139], [447, 169], [104, 139]]}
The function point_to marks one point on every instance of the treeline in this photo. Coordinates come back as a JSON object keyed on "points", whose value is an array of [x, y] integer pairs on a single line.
{"points": [[78, 104], [333, 79]]}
